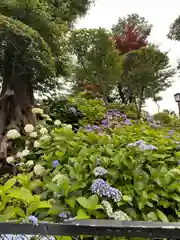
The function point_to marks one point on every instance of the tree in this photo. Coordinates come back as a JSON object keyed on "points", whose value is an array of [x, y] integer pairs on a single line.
{"points": [[33, 52], [157, 99], [98, 61], [130, 34], [148, 74], [174, 34]]}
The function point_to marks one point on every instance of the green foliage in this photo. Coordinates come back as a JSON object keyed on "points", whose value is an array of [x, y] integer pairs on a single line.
{"points": [[142, 26], [163, 117], [92, 109], [98, 61], [147, 179]]}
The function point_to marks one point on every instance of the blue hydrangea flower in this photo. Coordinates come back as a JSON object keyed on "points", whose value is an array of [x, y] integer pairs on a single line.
{"points": [[105, 122], [99, 171], [103, 189], [64, 215], [55, 163], [115, 194], [33, 219], [141, 144]]}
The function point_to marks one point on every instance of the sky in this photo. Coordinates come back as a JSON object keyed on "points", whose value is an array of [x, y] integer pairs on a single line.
{"points": [[161, 14]]}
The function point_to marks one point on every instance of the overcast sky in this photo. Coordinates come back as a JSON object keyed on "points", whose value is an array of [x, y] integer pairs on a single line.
{"points": [[160, 13]]}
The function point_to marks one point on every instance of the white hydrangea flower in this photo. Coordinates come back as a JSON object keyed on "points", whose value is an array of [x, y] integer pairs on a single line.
{"points": [[39, 170], [57, 123], [37, 144], [13, 134], [30, 163], [43, 130], [108, 208], [45, 138], [29, 128], [120, 215], [37, 111], [23, 154], [33, 134], [45, 116], [67, 126], [27, 142], [59, 179], [10, 159]]}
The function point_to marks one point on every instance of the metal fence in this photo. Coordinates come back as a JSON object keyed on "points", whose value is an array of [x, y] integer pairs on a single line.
{"points": [[103, 228]]}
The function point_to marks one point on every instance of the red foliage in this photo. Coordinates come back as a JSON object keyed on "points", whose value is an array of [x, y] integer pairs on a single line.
{"points": [[91, 87], [130, 40]]}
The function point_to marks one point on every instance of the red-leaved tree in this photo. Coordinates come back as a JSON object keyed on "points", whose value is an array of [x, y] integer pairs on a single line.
{"points": [[131, 39]]}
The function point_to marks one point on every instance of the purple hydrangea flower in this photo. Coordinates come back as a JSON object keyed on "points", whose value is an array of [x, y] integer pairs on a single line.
{"points": [[88, 128], [33, 219], [103, 189], [178, 162], [99, 171], [96, 127], [124, 116], [128, 122], [105, 122], [55, 163], [171, 132], [73, 110]]}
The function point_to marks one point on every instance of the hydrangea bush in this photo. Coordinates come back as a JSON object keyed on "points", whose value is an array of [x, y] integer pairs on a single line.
{"points": [[119, 169]]}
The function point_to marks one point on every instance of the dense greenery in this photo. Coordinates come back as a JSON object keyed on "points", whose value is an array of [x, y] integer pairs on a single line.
{"points": [[94, 153]]}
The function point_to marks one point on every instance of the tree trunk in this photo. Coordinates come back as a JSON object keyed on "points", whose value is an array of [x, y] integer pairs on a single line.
{"points": [[121, 94]]}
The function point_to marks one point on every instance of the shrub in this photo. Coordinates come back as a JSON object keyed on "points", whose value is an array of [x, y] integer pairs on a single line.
{"points": [[163, 117], [129, 172], [92, 109]]}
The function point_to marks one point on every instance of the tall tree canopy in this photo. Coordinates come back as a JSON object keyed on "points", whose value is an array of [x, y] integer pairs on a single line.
{"points": [[149, 73], [130, 33], [98, 61], [33, 51]]}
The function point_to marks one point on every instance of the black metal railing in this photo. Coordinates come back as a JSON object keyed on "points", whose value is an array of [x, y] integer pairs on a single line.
{"points": [[108, 228]]}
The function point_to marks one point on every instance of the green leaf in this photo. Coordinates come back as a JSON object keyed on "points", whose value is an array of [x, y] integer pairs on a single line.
{"points": [[162, 216], [83, 202], [37, 205], [21, 193], [20, 212], [81, 214], [152, 216], [9, 184], [71, 201]]}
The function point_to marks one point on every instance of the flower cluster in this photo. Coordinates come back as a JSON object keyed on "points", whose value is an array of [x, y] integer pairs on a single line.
{"points": [[120, 215], [33, 220], [99, 171], [13, 134], [65, 215], [103, 189], [141, 144], [37, 111], [57, 122], [10, 159], [59, 179], [39, 170], [23, 153], [29, 128], [107, 208], [55, 163]]}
